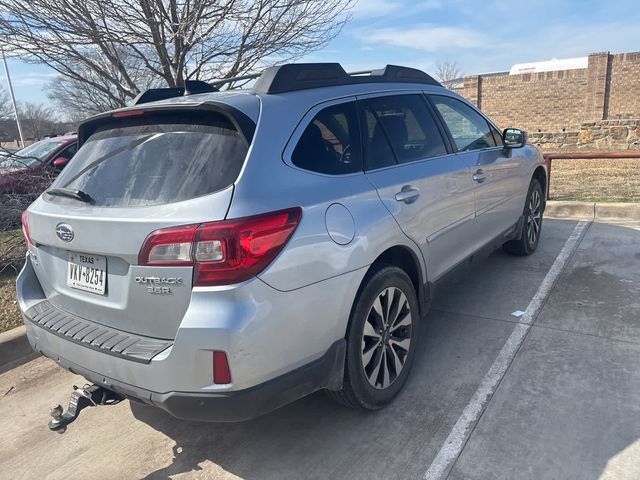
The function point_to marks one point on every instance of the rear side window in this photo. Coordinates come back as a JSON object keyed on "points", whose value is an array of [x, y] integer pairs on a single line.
{"points": [[157, 159], [405, 123], [469, 129], [331, 142]]}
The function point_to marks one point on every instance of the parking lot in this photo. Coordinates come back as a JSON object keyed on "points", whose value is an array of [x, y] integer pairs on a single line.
{"points": [[551, 394]]}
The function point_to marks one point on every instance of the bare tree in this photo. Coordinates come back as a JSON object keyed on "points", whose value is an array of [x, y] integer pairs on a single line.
{"points": [[38, 120], [447, 71], [80, 99], [107, 45], [6, 109]]}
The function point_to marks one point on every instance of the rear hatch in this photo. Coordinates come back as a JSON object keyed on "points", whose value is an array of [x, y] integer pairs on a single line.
{"points": [[134, 174]]}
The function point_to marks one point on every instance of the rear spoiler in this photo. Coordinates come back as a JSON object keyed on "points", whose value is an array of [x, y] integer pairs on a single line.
{"points": [[245, 125]]}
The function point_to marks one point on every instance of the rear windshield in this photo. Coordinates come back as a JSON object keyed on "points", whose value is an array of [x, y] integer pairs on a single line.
{"points": [[158, 159]]}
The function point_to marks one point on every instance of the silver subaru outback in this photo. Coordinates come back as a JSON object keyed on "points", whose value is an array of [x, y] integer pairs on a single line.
{"points": [[219, 254]]}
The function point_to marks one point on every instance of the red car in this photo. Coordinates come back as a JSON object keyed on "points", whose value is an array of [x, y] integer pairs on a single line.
{"points": [[32, 168]]}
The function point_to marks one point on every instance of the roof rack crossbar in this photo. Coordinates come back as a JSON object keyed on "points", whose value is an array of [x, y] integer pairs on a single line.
{"points": [[191, 87], [224, 81]]}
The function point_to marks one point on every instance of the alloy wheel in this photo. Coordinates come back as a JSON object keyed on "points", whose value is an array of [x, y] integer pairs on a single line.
{"points": [[534, 219], [386, 338]]}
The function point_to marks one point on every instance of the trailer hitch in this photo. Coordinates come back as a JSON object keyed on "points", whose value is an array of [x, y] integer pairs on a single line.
{"points": [[81, 398]]}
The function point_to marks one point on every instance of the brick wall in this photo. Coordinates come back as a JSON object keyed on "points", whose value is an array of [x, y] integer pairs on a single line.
{"points": [[624, 86], [524, 100], [557, 105]]}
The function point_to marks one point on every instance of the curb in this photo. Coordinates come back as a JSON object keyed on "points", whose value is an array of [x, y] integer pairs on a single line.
{"points": [[15, 349], [593, 210]]}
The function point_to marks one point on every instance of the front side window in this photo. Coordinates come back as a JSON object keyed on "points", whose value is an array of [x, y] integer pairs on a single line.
{"points": [[400, 128], [330, 144], [469, 129]]}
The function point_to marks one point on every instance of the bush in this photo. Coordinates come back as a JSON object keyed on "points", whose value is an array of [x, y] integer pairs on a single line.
{"points": [[19, 187]]}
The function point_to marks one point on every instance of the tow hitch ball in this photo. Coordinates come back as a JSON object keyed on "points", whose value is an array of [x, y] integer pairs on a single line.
{"points": [[87, 396]]}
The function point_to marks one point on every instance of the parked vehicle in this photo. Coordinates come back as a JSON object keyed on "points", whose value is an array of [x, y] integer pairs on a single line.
{"points": [[5, 151], [32, 168], [219, 254]]}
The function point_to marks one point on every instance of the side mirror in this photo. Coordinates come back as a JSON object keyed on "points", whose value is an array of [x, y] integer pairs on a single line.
{"points": [[60, 162], [514, 138]]}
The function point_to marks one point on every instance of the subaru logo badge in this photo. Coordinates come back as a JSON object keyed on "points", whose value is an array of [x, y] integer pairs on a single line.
{"points": [[64, 232]]}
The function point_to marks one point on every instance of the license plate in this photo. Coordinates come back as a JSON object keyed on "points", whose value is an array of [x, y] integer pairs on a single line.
{"points": [[87, 272]]}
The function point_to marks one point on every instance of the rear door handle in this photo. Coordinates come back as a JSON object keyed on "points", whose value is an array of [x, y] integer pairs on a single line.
{"points": [[408, 194], [479, 176]]}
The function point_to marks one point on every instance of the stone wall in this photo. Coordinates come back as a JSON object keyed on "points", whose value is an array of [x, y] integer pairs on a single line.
{"points": [[606, 135], [597, 107]]}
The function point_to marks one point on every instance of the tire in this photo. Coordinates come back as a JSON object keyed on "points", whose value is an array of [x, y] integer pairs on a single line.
{"points": [[532, 228], [370, 380]]}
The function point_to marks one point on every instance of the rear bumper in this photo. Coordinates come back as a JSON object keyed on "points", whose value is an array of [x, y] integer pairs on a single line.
{"points": [[280, 345], [325, 372], [265, 333]]}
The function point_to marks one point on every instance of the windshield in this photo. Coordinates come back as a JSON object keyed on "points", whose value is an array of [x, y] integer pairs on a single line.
{"points": [[32, 155], [156, 159]]}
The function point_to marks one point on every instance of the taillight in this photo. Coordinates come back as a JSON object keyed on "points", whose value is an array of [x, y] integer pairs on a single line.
{"points": [[25, 229], [225, 252], [169, 246]]}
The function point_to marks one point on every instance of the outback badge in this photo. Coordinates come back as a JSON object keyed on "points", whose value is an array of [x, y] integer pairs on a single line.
{"points": [[159, 285]]}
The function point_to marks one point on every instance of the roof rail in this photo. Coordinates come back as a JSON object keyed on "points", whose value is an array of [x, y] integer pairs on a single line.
{"points": [[302, 76], [295, 76]]}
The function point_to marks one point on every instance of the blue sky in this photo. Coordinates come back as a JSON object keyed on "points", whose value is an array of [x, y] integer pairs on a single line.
{"points": [[481, 36]]}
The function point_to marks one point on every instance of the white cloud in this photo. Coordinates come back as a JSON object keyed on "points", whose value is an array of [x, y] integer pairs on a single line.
{"points": [[426, 37], [29, 79], [383, 8], [551, 41]]}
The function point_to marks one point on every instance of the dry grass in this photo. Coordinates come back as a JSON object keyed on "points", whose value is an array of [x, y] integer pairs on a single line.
{"points": [[12, 251], [11, 255], [9, 311], [596, 180]]}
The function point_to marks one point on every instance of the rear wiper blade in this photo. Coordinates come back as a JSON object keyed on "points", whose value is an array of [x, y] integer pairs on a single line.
{"points": [[75, 194]]}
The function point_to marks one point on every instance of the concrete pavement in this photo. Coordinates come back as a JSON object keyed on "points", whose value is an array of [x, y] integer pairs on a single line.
{"points": [[567, 407]]}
